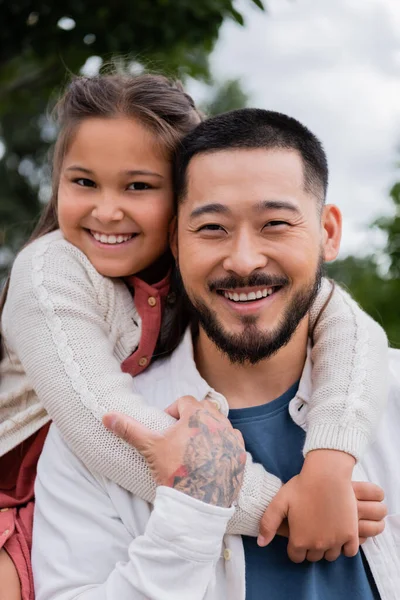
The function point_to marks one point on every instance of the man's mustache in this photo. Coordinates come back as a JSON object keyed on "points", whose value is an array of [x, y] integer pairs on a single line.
{"points": [[255, 280]]}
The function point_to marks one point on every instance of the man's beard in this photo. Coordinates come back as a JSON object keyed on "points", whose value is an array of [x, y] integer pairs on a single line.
{"points": [[253, 344]]}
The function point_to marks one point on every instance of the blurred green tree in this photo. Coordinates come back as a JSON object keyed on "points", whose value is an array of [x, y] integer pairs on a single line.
{"points": [[41, 40], [377, 293], [225, 96]]}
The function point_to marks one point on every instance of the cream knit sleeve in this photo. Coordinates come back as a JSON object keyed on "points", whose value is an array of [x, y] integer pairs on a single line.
{"points": [[349, 374], [57, 321]]}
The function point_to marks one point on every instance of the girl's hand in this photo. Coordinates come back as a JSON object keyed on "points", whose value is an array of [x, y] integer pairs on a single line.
{"points": [[371, 513], [325, 511]]}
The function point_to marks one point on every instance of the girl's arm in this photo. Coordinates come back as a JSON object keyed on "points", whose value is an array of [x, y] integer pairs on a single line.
{"points": [[57, 320], [350, 374]]}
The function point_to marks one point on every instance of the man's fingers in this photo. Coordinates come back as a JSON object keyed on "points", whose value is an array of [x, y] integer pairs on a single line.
{"points": [[364, 490], [239, 436], [272, 519], [368, 529], [129, 430], [184, 403], [351, 547], [371, 511]]}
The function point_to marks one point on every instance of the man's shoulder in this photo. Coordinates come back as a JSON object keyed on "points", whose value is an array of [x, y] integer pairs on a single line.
{"points": [[394, 370], [170, 378], [156, 383]]}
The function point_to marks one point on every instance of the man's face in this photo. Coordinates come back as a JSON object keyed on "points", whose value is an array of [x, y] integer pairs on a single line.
{"points": [[250, 243]]}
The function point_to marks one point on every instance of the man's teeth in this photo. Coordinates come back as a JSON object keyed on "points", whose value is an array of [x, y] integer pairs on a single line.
{"points": [[111, 239], [248, 297]]}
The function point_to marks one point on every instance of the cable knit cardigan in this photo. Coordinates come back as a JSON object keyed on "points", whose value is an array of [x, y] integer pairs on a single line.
{"points": [[66, 329]]}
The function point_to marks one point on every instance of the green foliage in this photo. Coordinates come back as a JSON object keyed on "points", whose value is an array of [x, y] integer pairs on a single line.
{"points": [[226, 96], [379, 296], [41, 41], [391, 226]]}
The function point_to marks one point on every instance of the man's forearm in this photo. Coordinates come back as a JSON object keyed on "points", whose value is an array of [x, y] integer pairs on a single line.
{"points": [[174, 559]]}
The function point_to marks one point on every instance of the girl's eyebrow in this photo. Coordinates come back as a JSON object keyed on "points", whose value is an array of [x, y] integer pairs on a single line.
{"points": [[78, 168], [144, 172], [131, 173]]}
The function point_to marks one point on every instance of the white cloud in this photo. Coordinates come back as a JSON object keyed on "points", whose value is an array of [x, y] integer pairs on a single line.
{"points": [[335, 66]]}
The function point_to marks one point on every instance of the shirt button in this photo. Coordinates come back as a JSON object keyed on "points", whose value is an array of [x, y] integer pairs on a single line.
{"points": [[216, 404], [4, 509], [143, 361], [152, 301], [227, 554], [6, 532]]}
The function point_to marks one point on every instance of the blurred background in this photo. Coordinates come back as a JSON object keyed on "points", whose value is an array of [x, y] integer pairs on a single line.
{"points": [[333, 65]]}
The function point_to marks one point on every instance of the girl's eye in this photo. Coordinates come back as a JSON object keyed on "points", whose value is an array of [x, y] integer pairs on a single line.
{"points": [[139, 186], [83, 182]]}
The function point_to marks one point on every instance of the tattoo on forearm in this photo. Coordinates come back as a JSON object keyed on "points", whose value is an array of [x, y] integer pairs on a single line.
{"points": [[213, 463]]}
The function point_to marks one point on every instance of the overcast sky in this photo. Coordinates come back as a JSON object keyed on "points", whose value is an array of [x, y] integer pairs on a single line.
{"points": [[334, 65]]}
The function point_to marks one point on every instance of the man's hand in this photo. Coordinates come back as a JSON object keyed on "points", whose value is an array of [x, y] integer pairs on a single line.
{"points": [[201, 455], [321, 509]]}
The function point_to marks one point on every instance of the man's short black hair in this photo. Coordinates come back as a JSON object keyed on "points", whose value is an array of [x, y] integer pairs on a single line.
{"points": [[252, 128]]}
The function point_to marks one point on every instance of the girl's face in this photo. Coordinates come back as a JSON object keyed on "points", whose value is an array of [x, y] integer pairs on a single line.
{"points": [[115, 199]]}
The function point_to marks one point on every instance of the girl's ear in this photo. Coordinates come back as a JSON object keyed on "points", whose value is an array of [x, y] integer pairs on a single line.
{"points": [[173, 237], [332, 231]]}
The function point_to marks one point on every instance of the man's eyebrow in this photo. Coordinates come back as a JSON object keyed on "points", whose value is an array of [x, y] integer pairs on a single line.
{"points": [[218, 209], [130, 172], [276, 205]]}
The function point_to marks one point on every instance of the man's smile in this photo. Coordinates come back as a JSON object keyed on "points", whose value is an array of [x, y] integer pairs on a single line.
{"points": [[248, 294]]}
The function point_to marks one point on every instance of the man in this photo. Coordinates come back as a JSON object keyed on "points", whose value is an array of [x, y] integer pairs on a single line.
{"points": [[251, 221]]}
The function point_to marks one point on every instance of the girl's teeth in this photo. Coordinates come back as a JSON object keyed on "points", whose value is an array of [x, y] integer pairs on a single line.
{"points": [[111, 239], [248, 297]]}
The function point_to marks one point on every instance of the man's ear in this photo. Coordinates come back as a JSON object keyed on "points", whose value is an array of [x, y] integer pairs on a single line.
{"points": [[173, 237], [331, 231]]}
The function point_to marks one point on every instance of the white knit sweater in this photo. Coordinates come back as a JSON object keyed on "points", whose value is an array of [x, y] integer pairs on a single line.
{"points": [[66, 329]]}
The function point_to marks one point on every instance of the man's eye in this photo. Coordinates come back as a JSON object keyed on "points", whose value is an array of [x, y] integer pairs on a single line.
{"points": [[276, 223], [211, 227], [139, 185], [83, 182]]}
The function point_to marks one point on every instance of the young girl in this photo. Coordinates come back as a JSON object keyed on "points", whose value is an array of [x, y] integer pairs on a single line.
{"points": [[73, 336]]}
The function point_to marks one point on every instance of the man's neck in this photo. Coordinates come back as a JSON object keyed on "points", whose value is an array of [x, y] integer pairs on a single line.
{"points": [[252, 385]]}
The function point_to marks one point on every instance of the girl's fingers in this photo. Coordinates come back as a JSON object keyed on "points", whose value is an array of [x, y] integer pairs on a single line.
{"points": [[368, 529], [371, 511], [364, 490], [332, 554], [315, 555]]}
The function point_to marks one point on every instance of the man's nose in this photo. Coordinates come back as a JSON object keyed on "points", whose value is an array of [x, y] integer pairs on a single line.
{"points": [[107, 209], [245, 256]]}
